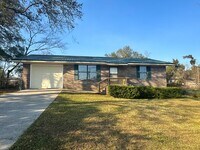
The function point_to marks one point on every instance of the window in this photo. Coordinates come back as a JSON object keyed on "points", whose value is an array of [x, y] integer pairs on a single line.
{"points": [[113, 72], [92, 72], [87, 72], [82, 72], [144, 72]]}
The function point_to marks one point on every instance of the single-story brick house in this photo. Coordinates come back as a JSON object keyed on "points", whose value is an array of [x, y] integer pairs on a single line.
{"points": [[90, 73]]}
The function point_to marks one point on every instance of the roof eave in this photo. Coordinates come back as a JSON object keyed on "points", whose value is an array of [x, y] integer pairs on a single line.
{"points": [[154, 64], [101, 63]]}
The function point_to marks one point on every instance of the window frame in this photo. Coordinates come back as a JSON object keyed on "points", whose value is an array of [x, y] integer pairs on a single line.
{"points": [[110, 75], [143, 72], [87, 72], [82, 72], [147, 72]]}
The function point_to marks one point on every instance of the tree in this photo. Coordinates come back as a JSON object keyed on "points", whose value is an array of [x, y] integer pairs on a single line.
{"points": [[125, 52], [192, 59], [40, 19], [176, 74], [9, 23], [1, 76], [54, 15], [40, 39], [7, 65], [37, 40], [195, 68]]}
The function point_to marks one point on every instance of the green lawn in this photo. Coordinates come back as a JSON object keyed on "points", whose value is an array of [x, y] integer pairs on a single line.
{"points": [[91, 121]]}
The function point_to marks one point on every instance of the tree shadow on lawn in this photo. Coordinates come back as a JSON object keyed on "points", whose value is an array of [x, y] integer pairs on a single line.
{"points": [[102, 124], [70, 125]]}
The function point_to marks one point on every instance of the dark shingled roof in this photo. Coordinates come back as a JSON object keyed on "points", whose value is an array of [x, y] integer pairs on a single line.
{"points": [[108, 60]]}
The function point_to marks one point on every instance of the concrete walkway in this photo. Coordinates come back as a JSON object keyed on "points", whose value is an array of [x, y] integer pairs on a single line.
{"points": [[19, 110]]}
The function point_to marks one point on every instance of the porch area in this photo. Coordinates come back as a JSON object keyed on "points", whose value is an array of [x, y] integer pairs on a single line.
{"points": [[102, 85]]}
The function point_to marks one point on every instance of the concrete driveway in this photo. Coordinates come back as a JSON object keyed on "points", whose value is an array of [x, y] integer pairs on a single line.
{"points": [[19, 110]]}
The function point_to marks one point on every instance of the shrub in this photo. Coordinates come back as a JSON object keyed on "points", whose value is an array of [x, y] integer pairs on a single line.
{"points": [[169, 92], [138, 92], [123, 91], [193, 93], [146, 92]]}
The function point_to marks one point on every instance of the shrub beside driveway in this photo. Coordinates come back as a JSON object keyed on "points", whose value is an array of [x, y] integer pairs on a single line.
{"points": [[92, 121]]}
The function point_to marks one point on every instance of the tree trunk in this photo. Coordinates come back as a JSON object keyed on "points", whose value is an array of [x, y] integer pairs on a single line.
{"points": [[7, 79], [8, 74]]}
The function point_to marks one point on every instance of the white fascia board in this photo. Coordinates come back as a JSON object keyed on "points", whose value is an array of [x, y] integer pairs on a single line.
{"points": [[65, 62], [100, 63], [148, 64]]}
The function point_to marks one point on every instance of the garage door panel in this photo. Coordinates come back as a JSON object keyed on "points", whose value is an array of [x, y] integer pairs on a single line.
{"points": [[46, 76]]}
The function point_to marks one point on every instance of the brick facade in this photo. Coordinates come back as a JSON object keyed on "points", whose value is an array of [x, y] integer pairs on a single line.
{"points": [[26, 76], [70, 83], [158, 77]]}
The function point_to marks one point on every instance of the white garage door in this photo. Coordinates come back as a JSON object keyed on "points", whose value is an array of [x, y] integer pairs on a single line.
{"points": [[46, 76]]}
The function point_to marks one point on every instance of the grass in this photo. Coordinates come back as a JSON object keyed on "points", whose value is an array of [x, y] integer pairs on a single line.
{"points": [[91, 121], [5, 91]]}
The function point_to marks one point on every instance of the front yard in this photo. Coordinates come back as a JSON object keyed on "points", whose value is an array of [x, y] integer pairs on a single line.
{"points": [[91, 121], [5, 91]]}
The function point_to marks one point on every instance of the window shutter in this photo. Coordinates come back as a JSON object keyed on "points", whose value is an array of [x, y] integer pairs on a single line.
{"points": [[98, 72], [149, 72], [75, 72], [138, 71]]}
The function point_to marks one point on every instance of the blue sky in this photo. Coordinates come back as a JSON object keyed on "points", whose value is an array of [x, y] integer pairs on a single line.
{"points": [[166, 29]]}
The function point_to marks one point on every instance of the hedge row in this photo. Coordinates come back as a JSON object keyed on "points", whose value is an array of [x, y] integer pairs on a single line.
{"points": [[146, 92]]}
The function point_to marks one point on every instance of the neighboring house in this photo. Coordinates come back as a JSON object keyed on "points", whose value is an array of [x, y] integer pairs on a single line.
{"points": [[90, 73]]}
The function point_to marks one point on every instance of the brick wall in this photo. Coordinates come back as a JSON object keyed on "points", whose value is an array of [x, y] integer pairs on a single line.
{"points": [[158, 78], [26, 76], [70, 83], [105, 72]]}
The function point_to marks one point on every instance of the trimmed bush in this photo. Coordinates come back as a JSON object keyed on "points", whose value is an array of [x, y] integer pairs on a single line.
{"points": [[123, 91], [169, 92], [145, 92]]}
